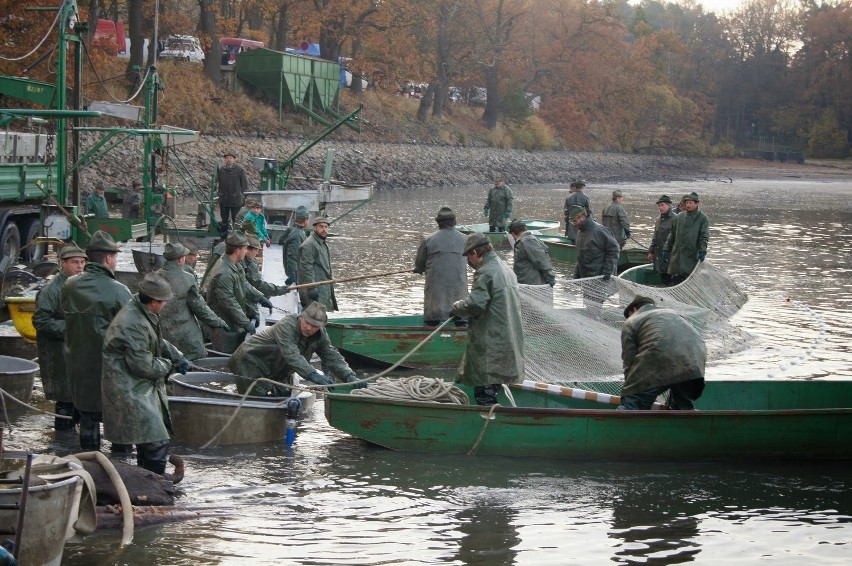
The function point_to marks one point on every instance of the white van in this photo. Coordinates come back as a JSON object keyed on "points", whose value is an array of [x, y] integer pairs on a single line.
{"points": [[182, 47]]}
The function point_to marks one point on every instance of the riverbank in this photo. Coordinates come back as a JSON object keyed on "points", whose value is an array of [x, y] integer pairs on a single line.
{"points": [[394, 166]]}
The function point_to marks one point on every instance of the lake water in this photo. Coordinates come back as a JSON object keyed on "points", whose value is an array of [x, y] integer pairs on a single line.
{"points": [[334, 500]]}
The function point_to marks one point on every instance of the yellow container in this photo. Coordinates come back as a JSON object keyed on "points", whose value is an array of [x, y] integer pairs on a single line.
{"points": [[21, 311]]}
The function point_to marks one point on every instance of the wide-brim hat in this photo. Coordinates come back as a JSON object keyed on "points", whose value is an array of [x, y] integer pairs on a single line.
{"points": [[236, 238], [156, 286], [315, 314], [665, 198], [691, 196], [175, 250], [70, 250], [102, 242], [301, 213], [474, 241], [575, 210], [445, 213], [638, 302], [320, 220]]}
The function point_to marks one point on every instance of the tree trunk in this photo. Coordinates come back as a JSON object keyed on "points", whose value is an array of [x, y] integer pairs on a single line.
{"points": [[135, 21], [426, 102], [282, 27], [94, 14], [356, 75], [207, 23], [492, 102]]}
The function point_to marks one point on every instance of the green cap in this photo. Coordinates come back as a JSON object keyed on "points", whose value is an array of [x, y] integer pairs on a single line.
{"points": [[174, 250], [102, 242], [301, 213], [236, 238], [578, 183], [664, 198], [691, 196], [249, 227], [517, 226], [638, 301], [191, 247], [617, 193], [156, 286], [315, 314], [575, 210], [474, 241], [446, 213], [70, 250], [254, 241], [320, 220]]}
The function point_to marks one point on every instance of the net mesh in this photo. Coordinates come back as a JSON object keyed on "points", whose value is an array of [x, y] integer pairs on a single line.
{"points": [[572, 333]]}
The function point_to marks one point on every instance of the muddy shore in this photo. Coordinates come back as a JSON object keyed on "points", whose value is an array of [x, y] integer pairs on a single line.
{"points": [[404, 166]]}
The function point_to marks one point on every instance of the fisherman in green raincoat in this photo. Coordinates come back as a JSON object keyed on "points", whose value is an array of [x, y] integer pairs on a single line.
{"points": [[253, 275], [96, 202], [498, 205], [230, 296], [495, 349], [687, 241], [49, 322], [179, 319], [293, 238], [660, 350], [276, 352], [532, 264], [90, 301], [136, 364], [662, 227], [315, 265]]}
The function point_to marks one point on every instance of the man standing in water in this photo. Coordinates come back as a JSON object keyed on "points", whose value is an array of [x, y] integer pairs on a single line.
{"points": [[687, 241], [440, 258], [614, 217], [49, 322], [90, 302], [293, 238], [498, 206], [576, 198], [532, 262], [495, 349], [662, 227], [315, 266]]}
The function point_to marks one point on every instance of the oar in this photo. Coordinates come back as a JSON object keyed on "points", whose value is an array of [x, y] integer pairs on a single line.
{"points": [[562, 391], [346, 279]]}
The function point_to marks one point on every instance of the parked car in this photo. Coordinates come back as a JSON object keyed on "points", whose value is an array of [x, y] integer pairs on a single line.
{"points": [[233, 46], [182, 47]]}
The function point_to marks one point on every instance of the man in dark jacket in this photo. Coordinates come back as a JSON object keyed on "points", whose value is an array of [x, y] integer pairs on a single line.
{"points": [[315, 265], [136, 362], [495, 349], [532, 261], [498, 205], [687, 241], [597, 256], [293, 238], [231, 184], [180, 319], [614, 217], [660, 350], [49, 322], [230, 296], [278, 351], [90, 301], [576, 198], [132, 201], [440, 257], [662, 227]]}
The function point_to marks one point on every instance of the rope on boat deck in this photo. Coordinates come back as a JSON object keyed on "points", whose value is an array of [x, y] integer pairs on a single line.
{"points": [[417, 388], [300, 387]]}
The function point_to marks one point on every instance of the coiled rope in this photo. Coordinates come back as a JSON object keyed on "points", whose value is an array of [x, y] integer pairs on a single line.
{"points": [[416, 388]]}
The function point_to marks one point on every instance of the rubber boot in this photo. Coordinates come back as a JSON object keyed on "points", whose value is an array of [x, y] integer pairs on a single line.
{"points": [[90, 432], [153, 456], [486, 394], [64, 408]]}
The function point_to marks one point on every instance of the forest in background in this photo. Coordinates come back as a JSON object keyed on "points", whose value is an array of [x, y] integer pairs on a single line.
{"points": [[652, 77]]}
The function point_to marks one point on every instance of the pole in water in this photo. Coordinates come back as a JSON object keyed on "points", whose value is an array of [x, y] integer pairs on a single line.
{"points": [[293, 406]]}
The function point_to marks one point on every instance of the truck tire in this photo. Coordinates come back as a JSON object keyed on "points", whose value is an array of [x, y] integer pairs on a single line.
{"points": [[33, 253], [10, 243]]}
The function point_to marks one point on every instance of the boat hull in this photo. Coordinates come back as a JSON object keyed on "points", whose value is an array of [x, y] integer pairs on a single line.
{"points": [[212, 385], [563, 249], [46, 519], [762, 421], [313, 200], [642, 274], [195, 421], [502, 239], [386, 340]]}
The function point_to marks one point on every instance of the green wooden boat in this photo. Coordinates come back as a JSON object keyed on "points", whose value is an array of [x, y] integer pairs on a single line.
{"points": [[386, 339], [563, 249], [765, 420], [501, 239], [642, 274]]}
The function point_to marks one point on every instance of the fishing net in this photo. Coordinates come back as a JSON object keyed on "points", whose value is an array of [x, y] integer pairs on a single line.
{"points": [[572, 332]]}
